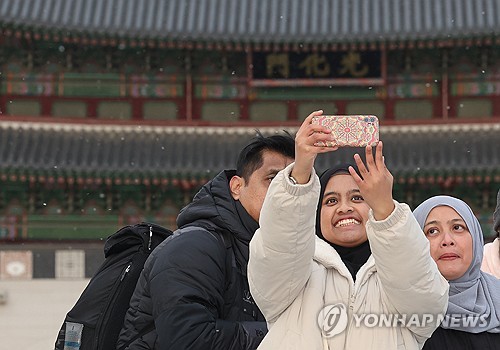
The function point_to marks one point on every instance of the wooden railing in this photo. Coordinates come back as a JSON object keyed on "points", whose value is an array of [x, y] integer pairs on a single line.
{"points": [[68, 227]]}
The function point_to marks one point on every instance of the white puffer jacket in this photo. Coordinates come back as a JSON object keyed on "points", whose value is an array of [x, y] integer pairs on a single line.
{"points": [[293, 275]]}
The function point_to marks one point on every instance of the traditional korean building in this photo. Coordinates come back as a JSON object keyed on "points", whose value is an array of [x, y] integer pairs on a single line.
{"points": [[118, 111]]}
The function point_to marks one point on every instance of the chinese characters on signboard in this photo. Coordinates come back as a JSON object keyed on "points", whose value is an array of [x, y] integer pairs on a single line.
{"points": [[352, 66]]}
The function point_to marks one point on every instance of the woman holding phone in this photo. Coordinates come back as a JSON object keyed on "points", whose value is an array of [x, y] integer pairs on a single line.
{"points": [[332, 252]]}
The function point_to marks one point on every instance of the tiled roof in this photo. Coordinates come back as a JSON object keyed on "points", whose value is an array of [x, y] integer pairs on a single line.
{"points": [[258, 21], [190, 152]]}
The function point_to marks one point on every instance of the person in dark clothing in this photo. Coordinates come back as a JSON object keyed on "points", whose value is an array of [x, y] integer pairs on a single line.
{"points": [[194, 285], [472, 320]]}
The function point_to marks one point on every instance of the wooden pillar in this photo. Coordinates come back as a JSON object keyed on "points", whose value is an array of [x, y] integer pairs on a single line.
{"points": [[189, 87], [444, 86], [389, 110], [245, 113]]}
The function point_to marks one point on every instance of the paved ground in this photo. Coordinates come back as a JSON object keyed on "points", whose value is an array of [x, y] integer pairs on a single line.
{"points": [[35, 310]]}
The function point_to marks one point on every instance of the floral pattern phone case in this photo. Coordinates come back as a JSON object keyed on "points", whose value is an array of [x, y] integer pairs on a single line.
{"points": [[350, 130]]}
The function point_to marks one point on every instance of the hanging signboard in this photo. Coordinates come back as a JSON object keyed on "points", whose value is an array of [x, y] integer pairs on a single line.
{"points": [[316, 68]]}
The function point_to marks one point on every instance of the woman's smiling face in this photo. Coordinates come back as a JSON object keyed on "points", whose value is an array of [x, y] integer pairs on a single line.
{"points": [[343, 212]]}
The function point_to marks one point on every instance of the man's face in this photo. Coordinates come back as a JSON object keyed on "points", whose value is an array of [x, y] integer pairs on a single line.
{"points": [[251, 194]]}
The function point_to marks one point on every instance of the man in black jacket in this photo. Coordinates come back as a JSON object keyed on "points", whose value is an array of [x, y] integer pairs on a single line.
{"points": [[194, 285]]}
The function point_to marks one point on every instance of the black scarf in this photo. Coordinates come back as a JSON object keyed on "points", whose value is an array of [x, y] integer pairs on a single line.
{"points": [[352, 257]]}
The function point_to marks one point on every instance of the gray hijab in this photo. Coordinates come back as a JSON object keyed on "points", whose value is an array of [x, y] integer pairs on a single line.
{"points": [[475, 294]]}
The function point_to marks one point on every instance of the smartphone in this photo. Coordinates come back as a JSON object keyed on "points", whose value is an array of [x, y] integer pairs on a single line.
{"points": [[350, 130]]}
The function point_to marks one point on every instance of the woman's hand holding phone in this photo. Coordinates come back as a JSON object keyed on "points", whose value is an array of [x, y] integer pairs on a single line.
{"points": [[307, 139]]}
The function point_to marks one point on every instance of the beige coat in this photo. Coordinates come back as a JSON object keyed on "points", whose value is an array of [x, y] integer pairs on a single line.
{"points": [[293, 275], [491, 258]]}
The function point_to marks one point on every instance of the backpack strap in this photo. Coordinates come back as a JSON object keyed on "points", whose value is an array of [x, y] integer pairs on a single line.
{"points": [[226, 242], [232, 263]]}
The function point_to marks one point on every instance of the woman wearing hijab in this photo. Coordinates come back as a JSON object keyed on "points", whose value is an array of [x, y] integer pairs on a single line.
{"points": [[353, 254], [315, 276], [472, 320]]}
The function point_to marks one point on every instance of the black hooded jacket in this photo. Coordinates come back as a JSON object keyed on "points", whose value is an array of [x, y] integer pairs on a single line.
{"points": [[194, 284]]}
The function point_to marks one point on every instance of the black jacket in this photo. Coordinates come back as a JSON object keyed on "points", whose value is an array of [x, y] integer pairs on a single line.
{"points": [[194, 284], [443, 339]]}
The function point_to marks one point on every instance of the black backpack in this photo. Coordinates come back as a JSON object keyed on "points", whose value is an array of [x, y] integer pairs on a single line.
{"points": [[95, 322]]}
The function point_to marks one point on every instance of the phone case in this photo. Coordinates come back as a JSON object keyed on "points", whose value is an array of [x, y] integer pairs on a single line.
{"points": [[350, 130]]}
